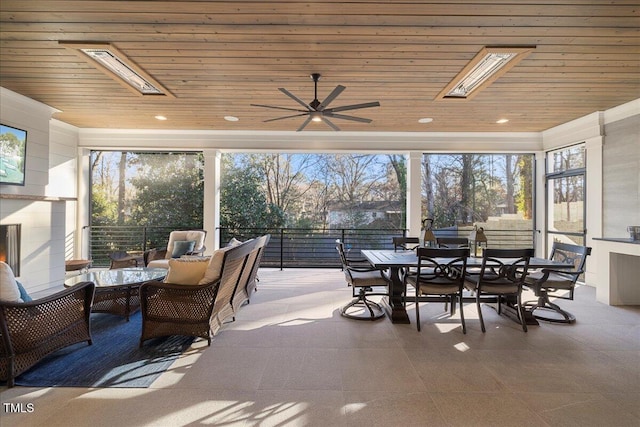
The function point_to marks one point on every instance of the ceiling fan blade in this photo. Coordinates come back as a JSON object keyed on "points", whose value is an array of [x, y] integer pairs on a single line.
{"points": [[286, 117], [354, 107], [330, 123], [278, 108], [333, 95], [295, 98], [345, 117], [306, 122]]}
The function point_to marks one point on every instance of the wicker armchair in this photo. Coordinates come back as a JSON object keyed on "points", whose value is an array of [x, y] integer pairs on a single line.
{"points": [[169, 309], [29, 331]]}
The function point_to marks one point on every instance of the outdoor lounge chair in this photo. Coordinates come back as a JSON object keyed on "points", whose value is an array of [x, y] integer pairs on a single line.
{"points": [[29, 331]]}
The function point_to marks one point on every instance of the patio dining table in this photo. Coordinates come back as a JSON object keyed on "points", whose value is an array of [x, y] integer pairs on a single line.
{"points": [[396, 261]]}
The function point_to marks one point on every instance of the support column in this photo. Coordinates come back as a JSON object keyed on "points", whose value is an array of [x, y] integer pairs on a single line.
{"points": [[83, 210], [540, 206], [211, 203], [414, 193]]}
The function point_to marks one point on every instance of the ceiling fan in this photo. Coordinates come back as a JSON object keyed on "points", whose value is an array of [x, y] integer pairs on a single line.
{"points": [[318, 111]]}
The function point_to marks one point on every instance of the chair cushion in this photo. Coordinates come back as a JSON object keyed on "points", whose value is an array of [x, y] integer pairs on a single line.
{"points": [[555, 280], [179, 235], [214, 268], [186, 271], [366, 278], [9, 290]]}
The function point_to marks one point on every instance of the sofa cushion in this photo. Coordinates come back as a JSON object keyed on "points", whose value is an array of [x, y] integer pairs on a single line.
{"points": [[9, 290], [186, 271], [182, 247], [215, 266]]}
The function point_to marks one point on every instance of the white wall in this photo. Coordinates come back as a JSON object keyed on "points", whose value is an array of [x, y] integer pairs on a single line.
{"points": [[45, 205], [590, 129]]}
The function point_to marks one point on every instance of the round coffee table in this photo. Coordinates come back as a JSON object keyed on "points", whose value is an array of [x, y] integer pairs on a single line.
{"points": [[117, 290]]}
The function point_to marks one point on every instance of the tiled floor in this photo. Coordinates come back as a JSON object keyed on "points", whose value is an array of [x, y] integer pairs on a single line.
{"points": [[291, 360]]}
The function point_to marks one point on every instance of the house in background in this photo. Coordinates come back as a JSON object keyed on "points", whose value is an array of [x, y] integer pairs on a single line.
{"points": [[370, 214]]}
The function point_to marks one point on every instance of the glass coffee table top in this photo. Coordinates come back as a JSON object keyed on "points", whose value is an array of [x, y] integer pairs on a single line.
{"points": [[118, 277]]}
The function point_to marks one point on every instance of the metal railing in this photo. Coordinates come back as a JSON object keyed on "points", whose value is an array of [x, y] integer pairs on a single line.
{"points": [[288, 247]]}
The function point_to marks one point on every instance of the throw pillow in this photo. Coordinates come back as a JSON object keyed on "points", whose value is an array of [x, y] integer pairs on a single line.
{"points": [[215, 266], [186, 271], [182, 247], [9, 290], [234, 242], [24, 296]]}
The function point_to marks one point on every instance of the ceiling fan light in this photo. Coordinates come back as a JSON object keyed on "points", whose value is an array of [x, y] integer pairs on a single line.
{"points": [[316, 116]]}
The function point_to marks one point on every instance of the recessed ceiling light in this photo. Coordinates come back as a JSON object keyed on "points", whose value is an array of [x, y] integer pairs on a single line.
{"points": [[425, 120], [231, 118], [161, 118], [501, 121]]}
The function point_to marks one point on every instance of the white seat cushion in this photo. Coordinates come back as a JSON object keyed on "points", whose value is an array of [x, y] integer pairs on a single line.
{"points": [[195, 235], [9, 290]]}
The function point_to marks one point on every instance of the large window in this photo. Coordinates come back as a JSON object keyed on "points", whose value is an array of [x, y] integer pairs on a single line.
{"points": [[320, 191], [565, 186], [138, 198], [493, 191]]}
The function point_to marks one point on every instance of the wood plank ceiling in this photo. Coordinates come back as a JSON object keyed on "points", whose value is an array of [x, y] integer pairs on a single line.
{"points": [[218, 57]]}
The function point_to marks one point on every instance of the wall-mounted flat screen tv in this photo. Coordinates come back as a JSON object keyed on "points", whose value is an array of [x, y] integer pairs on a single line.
{"points": [[13, 154]]}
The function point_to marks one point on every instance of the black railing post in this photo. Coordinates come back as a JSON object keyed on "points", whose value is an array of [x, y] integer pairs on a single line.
{"points": [[144, 238], [281, 249]]}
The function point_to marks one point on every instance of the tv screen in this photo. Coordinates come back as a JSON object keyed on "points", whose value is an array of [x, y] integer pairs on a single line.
{"points": [[13, 153]]}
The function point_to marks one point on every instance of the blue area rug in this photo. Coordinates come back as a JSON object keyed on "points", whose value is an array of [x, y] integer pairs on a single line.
{"points": [[114, 360]]}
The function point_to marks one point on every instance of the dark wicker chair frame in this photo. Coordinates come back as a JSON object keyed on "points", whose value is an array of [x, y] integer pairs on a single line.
{"points": [[440, 272], [502, 274], [169, 309], [249, 279], [200, 311], [547, 282], [30, 331]]}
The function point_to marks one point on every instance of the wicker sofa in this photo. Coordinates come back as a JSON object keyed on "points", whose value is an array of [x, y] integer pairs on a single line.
{"points": [[201, 310], [29, 331]]}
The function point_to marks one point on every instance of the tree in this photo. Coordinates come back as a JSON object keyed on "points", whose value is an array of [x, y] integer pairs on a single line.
{"points": [[168, 190], [524, 197], [399, 165], [242, 202], [286, 179]]}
